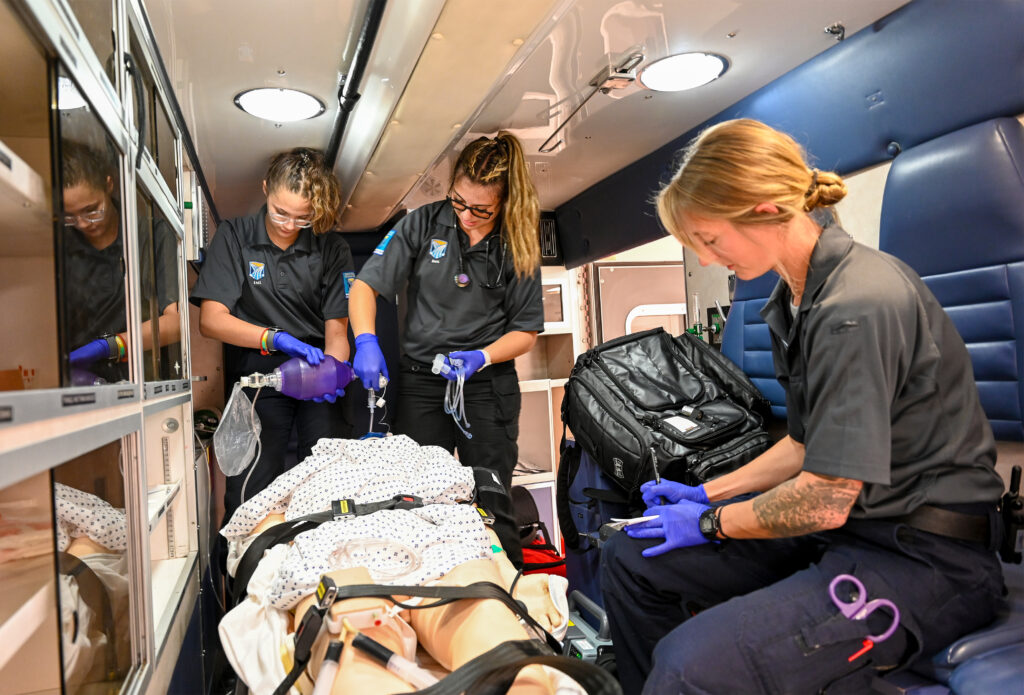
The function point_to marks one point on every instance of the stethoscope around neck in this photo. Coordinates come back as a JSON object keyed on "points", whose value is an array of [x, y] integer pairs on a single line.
{"points": [[462, 278]]}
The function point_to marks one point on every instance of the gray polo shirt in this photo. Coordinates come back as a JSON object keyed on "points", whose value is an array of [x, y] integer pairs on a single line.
{"points": [[879, 385], [295, 289], [422, 253]]}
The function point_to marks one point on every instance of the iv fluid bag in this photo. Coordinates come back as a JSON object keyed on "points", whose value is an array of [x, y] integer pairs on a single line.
{"points": [[301, 380], [235, 440]]}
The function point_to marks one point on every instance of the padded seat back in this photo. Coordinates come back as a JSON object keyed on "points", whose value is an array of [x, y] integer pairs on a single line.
{"points": [[953, 209], [747, 341]]}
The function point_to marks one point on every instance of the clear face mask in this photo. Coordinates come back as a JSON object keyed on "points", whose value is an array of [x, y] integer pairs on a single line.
{"points": [[238, 433]]}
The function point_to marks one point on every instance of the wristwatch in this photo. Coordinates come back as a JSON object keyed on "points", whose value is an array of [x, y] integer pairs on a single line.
{"points": [[709, 524]]}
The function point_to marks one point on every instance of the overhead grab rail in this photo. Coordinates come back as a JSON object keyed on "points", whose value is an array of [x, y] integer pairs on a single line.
{"points": [[348, 93], [605, 81]]}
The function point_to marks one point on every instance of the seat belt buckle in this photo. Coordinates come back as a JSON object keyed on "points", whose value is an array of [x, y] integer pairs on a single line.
{"points": [[486, 516], [326, 593], [407, 502], [343, 509]]}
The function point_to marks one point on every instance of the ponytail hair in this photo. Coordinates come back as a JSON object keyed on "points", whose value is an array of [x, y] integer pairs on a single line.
{"points": [[500, 162], [304, 171], [732, 167]]}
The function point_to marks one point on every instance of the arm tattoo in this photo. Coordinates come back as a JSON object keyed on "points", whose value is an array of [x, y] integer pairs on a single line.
{"points": [[806, 504]]}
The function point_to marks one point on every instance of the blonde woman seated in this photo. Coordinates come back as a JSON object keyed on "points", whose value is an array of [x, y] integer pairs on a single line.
{"points": [[442, 543]]}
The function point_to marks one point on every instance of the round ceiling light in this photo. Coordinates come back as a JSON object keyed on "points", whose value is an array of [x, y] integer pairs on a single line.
{"points": [[279, 105], [683, 71]]}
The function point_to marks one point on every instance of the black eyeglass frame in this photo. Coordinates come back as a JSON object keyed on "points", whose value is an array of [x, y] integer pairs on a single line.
{"points": [[461, 206], [462, 279]]}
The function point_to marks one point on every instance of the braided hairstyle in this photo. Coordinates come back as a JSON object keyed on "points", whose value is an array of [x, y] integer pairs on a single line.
{"points": [[500, 162], [304, 171], [732, 167]]}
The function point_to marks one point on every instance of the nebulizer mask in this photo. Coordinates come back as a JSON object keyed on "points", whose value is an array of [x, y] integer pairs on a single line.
{"points": [[237, 438]]}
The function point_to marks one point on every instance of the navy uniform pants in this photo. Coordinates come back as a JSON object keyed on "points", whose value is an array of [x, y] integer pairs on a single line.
{"points": [[755, 616], [492, 403]]}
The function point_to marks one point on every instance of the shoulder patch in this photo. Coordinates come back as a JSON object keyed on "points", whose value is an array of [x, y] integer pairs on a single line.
{"points": [[379, 251], [348, 277]]}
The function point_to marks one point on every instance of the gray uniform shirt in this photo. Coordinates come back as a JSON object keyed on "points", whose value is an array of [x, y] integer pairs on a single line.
{"points": [[879, 385], [295, 289], [424, 251]]}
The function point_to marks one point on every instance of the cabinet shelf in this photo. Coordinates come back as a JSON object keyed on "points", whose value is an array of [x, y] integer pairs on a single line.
{"points": [[23, 206], [531, 478]]}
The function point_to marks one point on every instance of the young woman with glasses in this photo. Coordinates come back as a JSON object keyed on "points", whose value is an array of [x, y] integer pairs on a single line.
{"points": [[274, 285], [470, 265]]}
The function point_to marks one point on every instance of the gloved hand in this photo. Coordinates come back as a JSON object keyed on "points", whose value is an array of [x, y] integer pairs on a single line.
{"points": [[676, 523], [90, 352], [368, 363], [472, 361], [329, 397], [670, 492], [293, 347]]}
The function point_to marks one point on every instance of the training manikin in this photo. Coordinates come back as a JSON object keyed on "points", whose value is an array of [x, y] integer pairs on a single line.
{"points": [[440, 543]]}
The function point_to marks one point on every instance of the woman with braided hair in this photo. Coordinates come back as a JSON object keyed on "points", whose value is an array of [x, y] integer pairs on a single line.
{"points": [[274, 285], [471, 268]]}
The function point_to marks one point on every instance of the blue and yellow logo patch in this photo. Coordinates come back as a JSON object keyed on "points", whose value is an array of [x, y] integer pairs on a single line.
{"points": [[438, 248], [379, 251], [348, 277], [257, 270]]}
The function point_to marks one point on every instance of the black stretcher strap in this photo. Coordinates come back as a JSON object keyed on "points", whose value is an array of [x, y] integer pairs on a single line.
{"points": [[288, 530], [493, 672], [446, 595]]}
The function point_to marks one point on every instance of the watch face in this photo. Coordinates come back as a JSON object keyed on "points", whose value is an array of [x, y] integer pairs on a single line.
{"points": [[708, 523]]}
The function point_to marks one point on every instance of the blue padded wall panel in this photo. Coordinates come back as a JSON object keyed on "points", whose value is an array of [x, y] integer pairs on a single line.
{"points": [[982, 169], [929, 68], [953, 209]]}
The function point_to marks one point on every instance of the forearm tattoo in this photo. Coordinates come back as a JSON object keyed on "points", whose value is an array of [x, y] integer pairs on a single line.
{"points": [[806, 504]]}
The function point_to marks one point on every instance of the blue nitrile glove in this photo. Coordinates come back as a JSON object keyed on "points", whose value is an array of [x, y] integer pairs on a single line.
{"points": [[368, 363], [670, 492], [472, 361], [293, 347], [329, 397], [676, 523], [90, 352]]}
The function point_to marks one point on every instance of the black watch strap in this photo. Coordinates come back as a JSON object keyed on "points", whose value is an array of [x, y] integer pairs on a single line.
{"points": [[708, 524]]}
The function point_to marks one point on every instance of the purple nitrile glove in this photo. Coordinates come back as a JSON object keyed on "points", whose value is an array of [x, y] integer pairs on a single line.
{"points": [[293, 347], [368, 363], [677, 523], [472, 361], [90, 352], [329, 397], [670, 492]]}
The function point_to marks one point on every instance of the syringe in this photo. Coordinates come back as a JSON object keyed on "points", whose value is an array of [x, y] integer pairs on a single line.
{"points": [[372, 401]]}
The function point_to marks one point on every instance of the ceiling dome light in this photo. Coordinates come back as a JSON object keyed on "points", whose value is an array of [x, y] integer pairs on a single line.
{"points": [[684, 71], [279, 105]]}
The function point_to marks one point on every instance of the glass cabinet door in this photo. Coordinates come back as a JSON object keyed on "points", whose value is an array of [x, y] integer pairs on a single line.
{"points": [[30, 356], [159, 283], [93, 561], [96, 18], [91, 264], [159, 136]]}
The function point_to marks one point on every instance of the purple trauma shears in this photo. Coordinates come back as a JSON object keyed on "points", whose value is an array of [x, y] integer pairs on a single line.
{"points": [[860, 608]]}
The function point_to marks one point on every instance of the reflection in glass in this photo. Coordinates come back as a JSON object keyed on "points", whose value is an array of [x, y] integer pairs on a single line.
{"points": [[96, 18], [158, 265], [92, 563], [92, 262]]}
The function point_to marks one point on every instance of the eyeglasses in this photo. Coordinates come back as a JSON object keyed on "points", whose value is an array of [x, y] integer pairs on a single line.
{"points": [[462, 279], [284, 219], [474, 210], [88, 218]]}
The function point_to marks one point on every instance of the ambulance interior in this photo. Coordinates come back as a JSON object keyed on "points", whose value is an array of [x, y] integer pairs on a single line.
{"points": [[885, 92]]}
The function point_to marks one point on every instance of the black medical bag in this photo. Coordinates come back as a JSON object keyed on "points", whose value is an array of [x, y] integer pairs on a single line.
{"points": [[650, 401]]}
